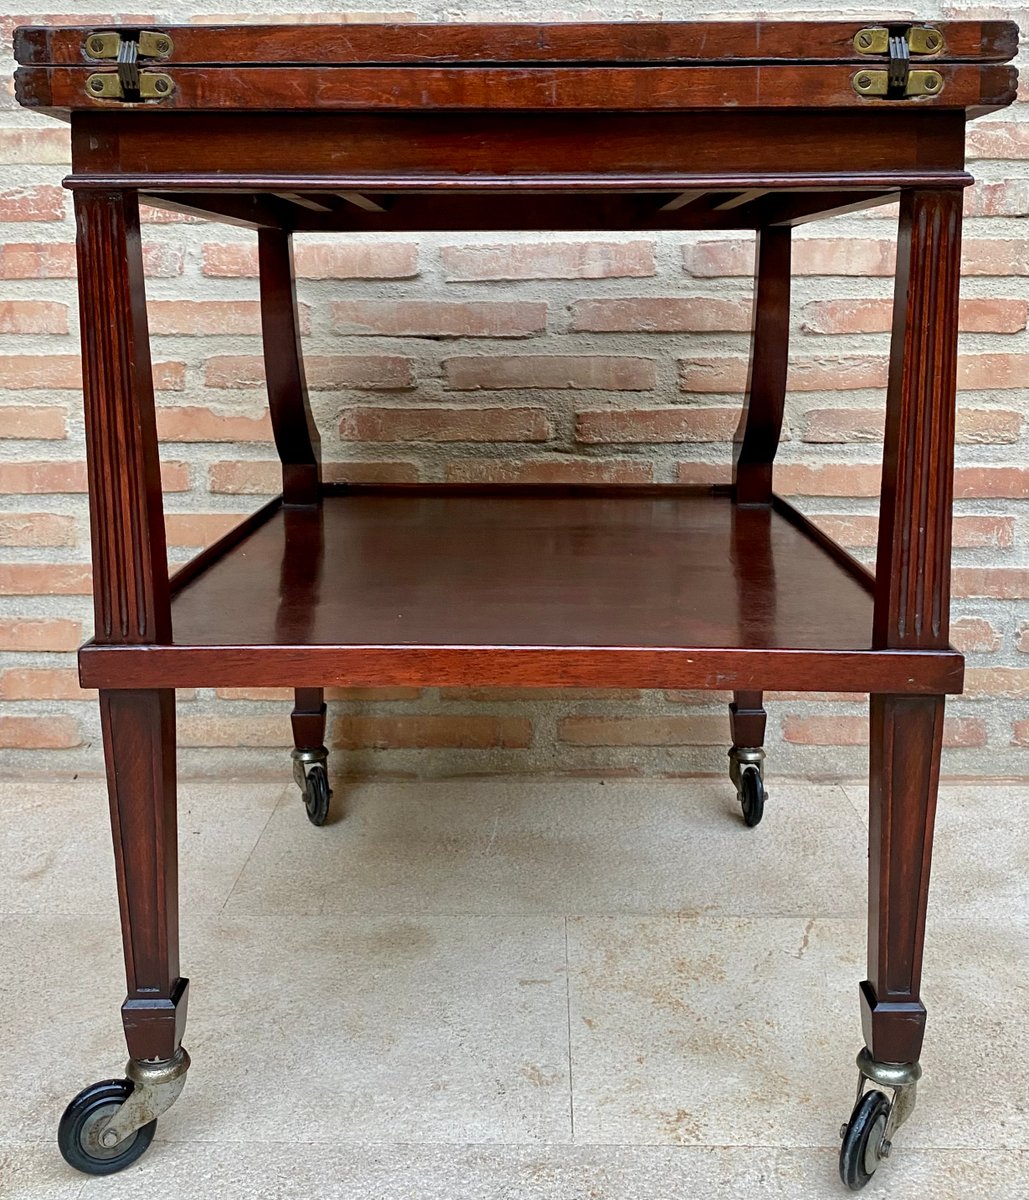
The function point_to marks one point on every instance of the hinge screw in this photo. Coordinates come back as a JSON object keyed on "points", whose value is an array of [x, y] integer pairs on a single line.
{"points": [[931, 83], [96, 85], [932, 41], [863, 81], [160, 85], [162, 45], [864, 40], [96, 45]]}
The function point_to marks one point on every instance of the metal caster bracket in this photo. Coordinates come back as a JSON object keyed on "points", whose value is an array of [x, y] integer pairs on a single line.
{"points": [[303, 760], [899, 1079], [156, 1087], [744, 757]]}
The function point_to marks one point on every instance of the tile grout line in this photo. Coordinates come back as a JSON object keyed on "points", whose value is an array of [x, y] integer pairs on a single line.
{"points": [[568, 1010], [263, 830]]}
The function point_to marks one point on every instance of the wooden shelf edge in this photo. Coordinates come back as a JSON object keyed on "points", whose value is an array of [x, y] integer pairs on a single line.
{"points": [[708, 668]]}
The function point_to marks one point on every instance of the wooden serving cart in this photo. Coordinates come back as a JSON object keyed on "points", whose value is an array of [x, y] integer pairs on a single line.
{"points": [[379, 128]]}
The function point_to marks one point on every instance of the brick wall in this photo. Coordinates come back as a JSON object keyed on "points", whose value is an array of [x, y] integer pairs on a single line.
{"points": [[522, 357]]}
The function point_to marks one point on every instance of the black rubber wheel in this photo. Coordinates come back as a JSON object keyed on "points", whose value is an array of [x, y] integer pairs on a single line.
{"points": [[317, 795], [89, 1107], [752, 797], [862, 1138]]}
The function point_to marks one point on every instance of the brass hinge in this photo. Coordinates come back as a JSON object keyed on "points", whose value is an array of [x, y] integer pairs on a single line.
{"points": [[129, 82], [898, 43]]}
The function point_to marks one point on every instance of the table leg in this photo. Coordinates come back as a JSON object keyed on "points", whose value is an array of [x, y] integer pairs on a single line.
{"points": [[108, 1125], [757, 438], [139, 747], [296, 437], [912, 599]]}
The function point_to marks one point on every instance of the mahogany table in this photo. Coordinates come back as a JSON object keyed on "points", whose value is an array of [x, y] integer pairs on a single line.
{"points": [[659, 126]]}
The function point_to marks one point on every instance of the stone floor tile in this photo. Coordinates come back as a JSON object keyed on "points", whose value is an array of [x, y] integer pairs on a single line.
{"points": [[322, 1171], [495, 846], [57, 839]]}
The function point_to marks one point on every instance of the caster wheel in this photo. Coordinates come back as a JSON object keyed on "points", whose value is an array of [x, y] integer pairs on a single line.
{"points": [[752, 797], [863, 1135], [76, 1134], [317, 795]]}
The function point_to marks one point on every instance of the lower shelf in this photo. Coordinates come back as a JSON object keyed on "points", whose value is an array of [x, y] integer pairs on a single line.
{"points": [[541, 587]]}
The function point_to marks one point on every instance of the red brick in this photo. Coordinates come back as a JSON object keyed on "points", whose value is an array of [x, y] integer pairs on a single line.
{"points": [[25, 371], [843, 425], [1020, 733], [992, 371], [998, 583], [444, 425], [439, 319], [550, 260], [974, 635], [199, 529], [729, 375], [597, 372], [1022, 638], [211, 729], [1010, 483], [211, 317], [828, 479], [42, 422], [42, 683], [149, 214], [966, 733], [385, 260], [683, 424], [43, 477], [49, 634], [39, 733], [37, 260], [365, 372], [993, 316], [1011, 683], [861, 531], [670, 314], [1005, 198], [997, 140], [836, 730], [643, 731], [36, 529], [504, 470], [42, 203], [974, 425], [161, 261], [45, 579], [191, 424], [264, 478], [33, 316], [45, 147], [876, 316], [703, 474], [995, 256], [416, 732]]}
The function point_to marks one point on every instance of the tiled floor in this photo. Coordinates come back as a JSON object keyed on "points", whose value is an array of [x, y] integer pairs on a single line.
{"points": [[512, 989]]}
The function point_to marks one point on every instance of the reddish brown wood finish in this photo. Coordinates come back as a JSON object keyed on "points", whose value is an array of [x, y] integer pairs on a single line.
{"points": [[139, 746], [296, 438], [906, 738], [640, 42], [913, 560], [532, 89], [747, 720], [130, 564]]}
